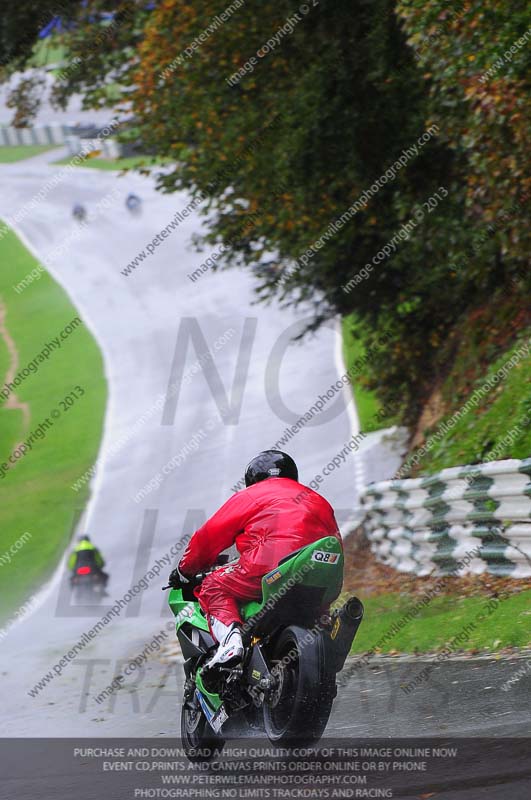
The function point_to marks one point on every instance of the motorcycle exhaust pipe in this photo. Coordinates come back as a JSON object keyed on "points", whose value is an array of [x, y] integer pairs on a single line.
{"points": [[345, 624]]}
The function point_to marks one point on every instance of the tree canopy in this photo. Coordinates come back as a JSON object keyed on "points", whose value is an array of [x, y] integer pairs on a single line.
{"points": [[369, 155]]}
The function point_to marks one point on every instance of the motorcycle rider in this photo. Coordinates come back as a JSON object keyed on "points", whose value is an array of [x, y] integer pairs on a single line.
{"points": [[268, 520], [133, 202], [79, 212], [85, 554]]}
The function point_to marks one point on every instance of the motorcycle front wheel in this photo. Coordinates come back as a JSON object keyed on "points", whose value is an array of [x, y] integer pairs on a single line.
{"points": [[199, 741], [298, 710]]}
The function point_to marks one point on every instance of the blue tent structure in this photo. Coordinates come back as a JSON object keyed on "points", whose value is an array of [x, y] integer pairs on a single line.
{"points": [[57, 25]]}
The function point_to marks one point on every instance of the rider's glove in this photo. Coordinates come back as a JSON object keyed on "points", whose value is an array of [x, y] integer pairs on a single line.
{"points": [[177, 579]]}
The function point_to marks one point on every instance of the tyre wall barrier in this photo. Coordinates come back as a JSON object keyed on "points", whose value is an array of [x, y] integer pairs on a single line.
{"points": [[104, 148], [42, 134], [431, 524]]}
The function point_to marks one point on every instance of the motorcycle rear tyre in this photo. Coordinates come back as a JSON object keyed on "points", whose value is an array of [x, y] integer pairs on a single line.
{"points": [[299, 714]]}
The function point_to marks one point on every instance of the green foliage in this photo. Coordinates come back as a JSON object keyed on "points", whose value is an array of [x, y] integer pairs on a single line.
{"points": [[278, 147], [285, 152], [20, 25], [476, 56]]}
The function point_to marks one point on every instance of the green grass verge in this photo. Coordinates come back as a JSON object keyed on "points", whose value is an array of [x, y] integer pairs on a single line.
{"points": [[35, 494], [8, 155], [48, 51], [132, 162], [499, 427], [367, 404], [506, 625]]}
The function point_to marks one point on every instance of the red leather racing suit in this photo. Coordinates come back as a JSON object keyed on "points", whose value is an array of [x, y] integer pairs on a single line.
{"points": [[266, 522]]}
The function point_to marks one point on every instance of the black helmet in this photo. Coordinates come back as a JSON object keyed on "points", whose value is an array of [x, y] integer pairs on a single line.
{"points": [[270, 464], [84, 538]]}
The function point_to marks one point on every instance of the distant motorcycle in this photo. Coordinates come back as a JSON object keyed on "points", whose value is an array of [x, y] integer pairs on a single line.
{"points": [[79, 212], [88, 583], [133, 203]]}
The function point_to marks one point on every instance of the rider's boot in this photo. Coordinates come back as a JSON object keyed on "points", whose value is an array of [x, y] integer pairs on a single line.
{"points": [[230, 649]]}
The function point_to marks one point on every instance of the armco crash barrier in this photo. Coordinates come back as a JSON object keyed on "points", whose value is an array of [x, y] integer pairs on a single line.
{"points": [[480, 514]]}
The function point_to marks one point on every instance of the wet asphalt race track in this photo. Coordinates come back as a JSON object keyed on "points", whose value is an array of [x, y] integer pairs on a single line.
{"points": [[269, 382]]}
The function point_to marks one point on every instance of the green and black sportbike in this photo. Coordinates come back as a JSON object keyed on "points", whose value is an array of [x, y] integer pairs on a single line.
{"points": [[286, 681]]}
